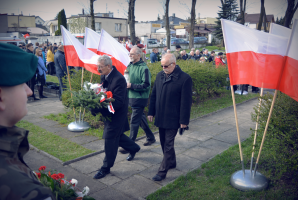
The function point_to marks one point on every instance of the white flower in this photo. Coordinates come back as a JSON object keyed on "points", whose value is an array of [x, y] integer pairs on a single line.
{"points": [[74, 181], [85, 190]]}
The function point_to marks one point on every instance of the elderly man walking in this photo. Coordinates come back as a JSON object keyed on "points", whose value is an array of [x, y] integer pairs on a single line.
{"points": [[114, 128], [138, 94], [170, 103]]}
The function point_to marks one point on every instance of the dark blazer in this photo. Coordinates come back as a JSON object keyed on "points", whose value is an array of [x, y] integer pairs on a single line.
{"points": [[118, 122], [60, 64], [171, 99]]}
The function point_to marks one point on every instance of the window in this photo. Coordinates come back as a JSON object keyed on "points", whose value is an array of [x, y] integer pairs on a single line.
{"points": [[97, 26], [118, 27], [55, 28]]}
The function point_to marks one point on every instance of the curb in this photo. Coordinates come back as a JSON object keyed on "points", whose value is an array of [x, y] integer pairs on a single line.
{"points": [[139, 138]]}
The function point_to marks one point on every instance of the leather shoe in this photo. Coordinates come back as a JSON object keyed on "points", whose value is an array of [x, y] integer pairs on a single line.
{"points": [[148, 142], [123, 151], [131, 156], [172, 167], [158, 178], [100, 174], [43, 96]]}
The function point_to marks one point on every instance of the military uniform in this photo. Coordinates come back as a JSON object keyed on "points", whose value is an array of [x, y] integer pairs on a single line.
{"points": [[177, 55]]}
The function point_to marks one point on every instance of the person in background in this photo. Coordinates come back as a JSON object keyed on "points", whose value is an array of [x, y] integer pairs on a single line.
{"points": [[164, 51], [177, 52], [211, 57], [41, 76], [191, 56], [55, 47], [185, 56], [168, 51], [198, 55], [202, 59], [50, 61], [206, 54], [36, 46], [153, 56], [143, 56], [43, 54], [32, 82], [61, 70], [17, 180], [218, 60]]}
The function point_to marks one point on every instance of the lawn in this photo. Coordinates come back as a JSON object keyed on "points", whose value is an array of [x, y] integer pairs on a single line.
{"points": [[57, 146], [212, 179], [53, 79]]}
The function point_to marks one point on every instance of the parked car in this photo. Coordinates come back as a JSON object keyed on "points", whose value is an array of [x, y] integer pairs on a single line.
{"points": [[200, 40], [165, 39], [152, 43], [175, 41]]}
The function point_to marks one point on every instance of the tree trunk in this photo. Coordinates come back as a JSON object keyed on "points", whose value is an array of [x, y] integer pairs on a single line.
{"points": [[242, 11], [192, 23], [167, 24], [292, 8], [92, 15], [131, 20], [265, 21], [261, 14]]}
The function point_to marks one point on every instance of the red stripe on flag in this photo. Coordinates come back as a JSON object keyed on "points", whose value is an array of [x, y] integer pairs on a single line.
{"points": [[289, 80], [72, 59], [248, 67], [118, 64]]}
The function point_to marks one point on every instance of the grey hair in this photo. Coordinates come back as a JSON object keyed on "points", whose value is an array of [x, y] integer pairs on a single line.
{"points": [[138, 50], [105, 59], [170, 56]]}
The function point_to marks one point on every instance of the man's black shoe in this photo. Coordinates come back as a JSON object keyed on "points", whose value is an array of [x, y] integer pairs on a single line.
{"points": [[172, 167], [100, 174], [148, 142], [131, 156], [158, 178], [35, 98], [123, 151], [43, 96]]}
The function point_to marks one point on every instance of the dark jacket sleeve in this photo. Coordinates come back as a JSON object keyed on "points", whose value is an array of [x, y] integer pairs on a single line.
{"points": [[62, 63], [119, 94], [152, 101], [186, 101], [145, 82]]}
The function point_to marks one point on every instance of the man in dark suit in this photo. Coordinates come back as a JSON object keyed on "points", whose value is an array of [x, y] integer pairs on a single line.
{"points": [[114, 128], [170, 103]]}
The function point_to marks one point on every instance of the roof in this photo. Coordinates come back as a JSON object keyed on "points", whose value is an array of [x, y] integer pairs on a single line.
{"points": [[172, 21], [254, 18]]}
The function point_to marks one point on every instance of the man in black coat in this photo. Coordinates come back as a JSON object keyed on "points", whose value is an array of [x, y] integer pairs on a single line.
{"points": [[32, 82], [170, 103], [114, 128]]}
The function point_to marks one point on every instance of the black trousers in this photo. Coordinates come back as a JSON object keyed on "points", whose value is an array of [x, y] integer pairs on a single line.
{"points": [[167, 139], [111, 149], [138, 118], [51, 68], [31, 83]]}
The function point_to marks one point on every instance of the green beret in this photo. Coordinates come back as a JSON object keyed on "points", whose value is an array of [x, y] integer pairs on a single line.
{"points": [[17, 66]]}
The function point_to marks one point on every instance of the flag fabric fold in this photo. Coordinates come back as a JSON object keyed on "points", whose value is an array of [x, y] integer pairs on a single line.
{"points": [[91, 40], [111, 47], [76, 54], [253, 57]]}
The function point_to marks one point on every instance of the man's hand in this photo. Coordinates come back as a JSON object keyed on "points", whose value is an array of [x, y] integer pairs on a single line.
{"points": [[181, 125], [128, 85], [150, 118]]}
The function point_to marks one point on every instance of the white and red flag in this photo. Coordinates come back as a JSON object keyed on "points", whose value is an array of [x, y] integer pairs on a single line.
{"points": [[91, 40], [111, 47], [254, 57], [76, 54]]}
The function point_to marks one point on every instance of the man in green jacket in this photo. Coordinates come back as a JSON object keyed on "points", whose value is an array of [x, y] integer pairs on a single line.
{"points": [[138, 94], [17, 181]]}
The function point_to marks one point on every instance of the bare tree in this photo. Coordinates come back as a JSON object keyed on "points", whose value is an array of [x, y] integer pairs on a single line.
{"points": [[167, 23], [242, 11], [261, 14], [92, 15], [131, 20], [192, 23], [292, 8]]}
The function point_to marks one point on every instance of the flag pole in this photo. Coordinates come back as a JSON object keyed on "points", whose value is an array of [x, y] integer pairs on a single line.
{"points": [[237, 127], [256, 129], [74, 111], [266, 128], [90, 82], [81, 88]]}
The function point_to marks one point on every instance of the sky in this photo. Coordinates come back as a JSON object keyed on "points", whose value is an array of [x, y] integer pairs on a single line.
{"points": [[145, 10]]}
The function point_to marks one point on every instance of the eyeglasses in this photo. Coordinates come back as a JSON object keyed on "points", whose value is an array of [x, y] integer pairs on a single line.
{"points": [[100, 67], [164, 66], [132, 54]]}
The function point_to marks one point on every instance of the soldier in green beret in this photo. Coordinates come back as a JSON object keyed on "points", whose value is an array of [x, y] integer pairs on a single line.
{"points": [[17, 180]]}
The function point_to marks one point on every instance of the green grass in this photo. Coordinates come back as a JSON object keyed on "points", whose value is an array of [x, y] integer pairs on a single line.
{"points": [[57, 146], [211, 181], [53, 79]]}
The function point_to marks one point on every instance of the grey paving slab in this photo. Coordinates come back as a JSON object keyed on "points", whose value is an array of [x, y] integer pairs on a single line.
{"points": [[185, 142], [88, 165], [202, 136], [111, 194], [215, 128], [148, 158], [83, 139], [185, 163], [230, 136], [125, 169], [137, 186], [200, 153], [215, 144], [109, 179], [97, 145], [120, 157]]}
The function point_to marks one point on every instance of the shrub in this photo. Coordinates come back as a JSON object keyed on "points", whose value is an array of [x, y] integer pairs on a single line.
{"points": [[281, 142]]}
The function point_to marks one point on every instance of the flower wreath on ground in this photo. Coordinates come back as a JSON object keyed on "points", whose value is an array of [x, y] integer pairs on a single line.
{"points": [[60, 186]]}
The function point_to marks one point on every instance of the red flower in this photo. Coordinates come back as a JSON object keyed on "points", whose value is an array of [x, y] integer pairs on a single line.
{"points": [[38, 174], [42, 168], [109, 94], [62, 181], [49, 173], [60, 175], [55, 177]]}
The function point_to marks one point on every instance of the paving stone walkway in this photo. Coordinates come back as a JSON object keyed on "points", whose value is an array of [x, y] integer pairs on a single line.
{"points": [[207, 137]]}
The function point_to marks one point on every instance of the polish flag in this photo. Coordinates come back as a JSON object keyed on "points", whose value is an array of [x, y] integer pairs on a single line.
{"points": [[289, 79], [279, 30], [76, 54], [92, 39], [254, 57], [111, 47]]}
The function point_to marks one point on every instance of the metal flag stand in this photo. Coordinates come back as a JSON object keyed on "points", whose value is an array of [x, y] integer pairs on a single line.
{"points": [[81, 125]]}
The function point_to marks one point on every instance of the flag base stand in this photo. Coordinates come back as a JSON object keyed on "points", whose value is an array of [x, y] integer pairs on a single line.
{"points": [[240, 92], [79, 126], [248, 181]]}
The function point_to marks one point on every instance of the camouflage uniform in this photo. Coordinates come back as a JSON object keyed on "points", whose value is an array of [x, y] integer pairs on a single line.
{"points": [[177, 55], [17, 180]]}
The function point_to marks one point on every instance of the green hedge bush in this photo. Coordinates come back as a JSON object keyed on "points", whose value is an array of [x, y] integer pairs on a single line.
{"points": [[281, 142]]}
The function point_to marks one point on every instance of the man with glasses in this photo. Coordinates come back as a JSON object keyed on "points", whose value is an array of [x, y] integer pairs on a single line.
{"points": [[170, 104], [138, 94]]}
